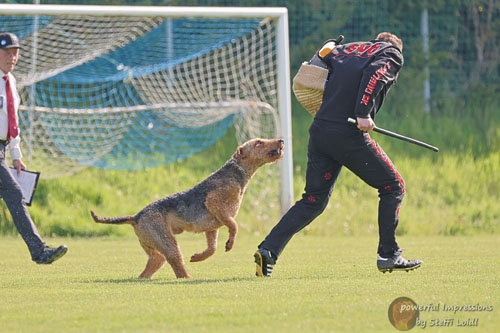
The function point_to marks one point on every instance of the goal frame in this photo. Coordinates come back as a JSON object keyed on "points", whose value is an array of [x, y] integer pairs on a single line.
{"points": [[282, 55]]}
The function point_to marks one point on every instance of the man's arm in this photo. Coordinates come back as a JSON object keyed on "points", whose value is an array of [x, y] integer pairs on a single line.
{"points": [[381, 72], [15, 154]]}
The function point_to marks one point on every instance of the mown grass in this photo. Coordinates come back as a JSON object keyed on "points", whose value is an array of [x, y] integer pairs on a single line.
{"points": [[321, 284]]}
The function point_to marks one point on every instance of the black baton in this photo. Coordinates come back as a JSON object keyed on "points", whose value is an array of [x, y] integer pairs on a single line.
{"points": [[398, 136]]}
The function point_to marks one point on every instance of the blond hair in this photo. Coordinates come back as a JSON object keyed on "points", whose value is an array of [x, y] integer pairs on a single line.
{"points": [[391, 38]]}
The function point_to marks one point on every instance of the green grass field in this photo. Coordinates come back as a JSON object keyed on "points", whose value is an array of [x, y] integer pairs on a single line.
{"points": [[321, 284], [326, 279]]}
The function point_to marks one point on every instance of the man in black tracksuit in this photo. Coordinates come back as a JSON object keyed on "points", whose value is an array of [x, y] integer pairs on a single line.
{"points": [[360, 76]]}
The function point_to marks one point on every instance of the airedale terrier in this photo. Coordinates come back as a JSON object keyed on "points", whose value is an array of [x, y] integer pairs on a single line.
{"points": [[204, 208]]}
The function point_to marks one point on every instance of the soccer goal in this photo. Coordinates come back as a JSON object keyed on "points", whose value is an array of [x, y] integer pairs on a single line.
{"points": [[121, 87]]}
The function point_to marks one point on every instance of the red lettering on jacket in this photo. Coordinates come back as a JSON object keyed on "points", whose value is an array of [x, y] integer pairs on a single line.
{"points": [[351, 48], [363, 48], [360, 49], [373, 82], [373, 49], [365, 100]]}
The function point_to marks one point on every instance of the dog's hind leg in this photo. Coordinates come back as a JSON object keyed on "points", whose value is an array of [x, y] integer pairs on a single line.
{"points": [[164, 241], [168, 247], [211, 246], [173, 254], [153, 230], [155, 262]]}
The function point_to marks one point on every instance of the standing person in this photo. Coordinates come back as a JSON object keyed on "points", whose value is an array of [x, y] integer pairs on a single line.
{"points": [[10, 190], [360, 75]]}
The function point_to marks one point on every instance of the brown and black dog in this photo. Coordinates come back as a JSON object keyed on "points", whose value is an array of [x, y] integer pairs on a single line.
{"points": [[204, 208]]}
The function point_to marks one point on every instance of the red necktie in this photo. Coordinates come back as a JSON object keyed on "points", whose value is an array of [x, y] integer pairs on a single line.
{"points": [[13, 131]]}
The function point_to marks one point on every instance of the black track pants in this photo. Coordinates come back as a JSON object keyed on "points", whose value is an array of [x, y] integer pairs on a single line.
{"points": [[12, 194], [332, 146]]}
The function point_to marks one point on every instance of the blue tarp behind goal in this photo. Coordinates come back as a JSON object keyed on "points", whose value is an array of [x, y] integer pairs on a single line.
{"points": [[146, 136]]}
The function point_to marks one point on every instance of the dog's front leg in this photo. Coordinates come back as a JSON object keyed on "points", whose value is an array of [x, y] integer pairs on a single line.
{"points": [[233, 230], [231, 224], [223, 204], [211, 246]]}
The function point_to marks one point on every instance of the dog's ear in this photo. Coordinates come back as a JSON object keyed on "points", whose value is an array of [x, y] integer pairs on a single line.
{"points": [[240, 153]]}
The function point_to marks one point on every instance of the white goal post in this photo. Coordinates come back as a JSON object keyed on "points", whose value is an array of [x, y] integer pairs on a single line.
{"points": [[282, 64]]}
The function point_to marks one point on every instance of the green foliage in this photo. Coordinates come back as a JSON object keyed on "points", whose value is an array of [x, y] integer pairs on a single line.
{"points": [[329, 26], [320, 284]]}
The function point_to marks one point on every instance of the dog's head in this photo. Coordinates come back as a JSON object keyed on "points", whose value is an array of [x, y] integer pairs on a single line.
{"points": [[257, 152]]}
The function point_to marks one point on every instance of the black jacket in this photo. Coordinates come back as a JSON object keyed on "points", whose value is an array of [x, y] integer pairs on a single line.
{"points": [[361, 74]]}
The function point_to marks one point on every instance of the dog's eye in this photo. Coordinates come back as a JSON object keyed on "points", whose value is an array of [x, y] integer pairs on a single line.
{"points": [[258, 143]]}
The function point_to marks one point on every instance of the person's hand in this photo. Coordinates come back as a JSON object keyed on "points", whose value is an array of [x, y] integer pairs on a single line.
{"points": [[19, 165], [365, 124]]}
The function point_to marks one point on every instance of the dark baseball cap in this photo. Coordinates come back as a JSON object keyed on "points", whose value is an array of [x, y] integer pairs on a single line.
{"points": [[8, 40]]}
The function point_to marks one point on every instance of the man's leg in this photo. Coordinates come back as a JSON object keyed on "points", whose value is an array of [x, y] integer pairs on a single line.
{"points": [[373, 165], [321, 174], [13, 197]]}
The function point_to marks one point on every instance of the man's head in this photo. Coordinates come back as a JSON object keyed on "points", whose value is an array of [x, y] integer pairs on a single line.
{"points": [[9, 51], [391, 38]]}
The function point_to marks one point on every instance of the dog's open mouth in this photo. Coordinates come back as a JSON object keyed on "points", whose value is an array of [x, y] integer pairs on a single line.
{"points": [[276, 152]]}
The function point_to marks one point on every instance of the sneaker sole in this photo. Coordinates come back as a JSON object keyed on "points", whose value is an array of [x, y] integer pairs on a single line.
{"points": [[258, 261], [384, 270]]}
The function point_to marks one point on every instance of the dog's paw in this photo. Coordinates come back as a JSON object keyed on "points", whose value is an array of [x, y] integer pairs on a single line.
{"points": [[229, 244], [197, 257]]}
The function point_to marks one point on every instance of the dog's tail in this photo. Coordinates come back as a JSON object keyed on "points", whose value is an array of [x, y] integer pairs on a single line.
{"points": [[113, 220]]}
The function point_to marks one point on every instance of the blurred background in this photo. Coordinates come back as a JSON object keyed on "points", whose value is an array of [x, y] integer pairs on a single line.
{"points": [[451, 47], [448, 95]]}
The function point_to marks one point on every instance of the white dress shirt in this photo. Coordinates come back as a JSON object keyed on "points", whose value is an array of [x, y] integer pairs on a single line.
{"points": [[13, 146]]}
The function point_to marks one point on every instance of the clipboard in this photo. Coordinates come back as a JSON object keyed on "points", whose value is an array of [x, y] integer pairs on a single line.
{"points": [[28, 180]]}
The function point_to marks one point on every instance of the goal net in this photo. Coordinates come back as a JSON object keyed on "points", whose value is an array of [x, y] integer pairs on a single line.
{"points": [[115, 89]]}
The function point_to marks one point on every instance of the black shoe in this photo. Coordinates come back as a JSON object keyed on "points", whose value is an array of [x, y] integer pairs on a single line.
{"points": [[397, 263], [265, 263], [51, 254]]}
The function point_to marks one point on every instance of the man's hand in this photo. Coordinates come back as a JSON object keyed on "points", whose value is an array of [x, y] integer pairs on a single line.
{"points": [[19, 165], [365, 124]]}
